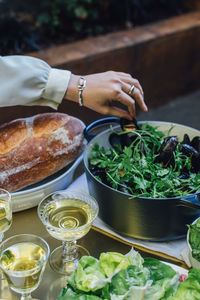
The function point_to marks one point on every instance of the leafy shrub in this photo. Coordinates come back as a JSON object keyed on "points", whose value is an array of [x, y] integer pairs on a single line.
{"points": [[26, 24]]}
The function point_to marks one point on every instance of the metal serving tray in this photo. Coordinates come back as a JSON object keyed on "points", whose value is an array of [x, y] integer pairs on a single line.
{"points": [[33, 194]]}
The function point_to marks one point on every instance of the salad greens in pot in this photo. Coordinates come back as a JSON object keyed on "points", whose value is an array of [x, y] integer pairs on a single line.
{"points": [[147, 163]]}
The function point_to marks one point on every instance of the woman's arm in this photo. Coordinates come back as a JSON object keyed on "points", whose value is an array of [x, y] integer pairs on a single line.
{"points": [[27, 80]]}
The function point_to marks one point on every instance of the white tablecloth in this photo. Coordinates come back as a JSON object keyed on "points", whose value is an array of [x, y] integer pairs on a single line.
{"points": [[175, 249]]}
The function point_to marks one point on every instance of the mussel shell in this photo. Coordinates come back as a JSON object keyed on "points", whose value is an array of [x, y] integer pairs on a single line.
{"points": [[115, 140], [101, 173], [128, 125], [196, 143], [128, 139], [186, 139], [195, 157], [189, 150], [169, 144], [122, 140], [195, 161], [184, 174], [166, 151]]}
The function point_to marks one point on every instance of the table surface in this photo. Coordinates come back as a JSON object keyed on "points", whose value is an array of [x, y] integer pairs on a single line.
{"points": [[28, 222]]}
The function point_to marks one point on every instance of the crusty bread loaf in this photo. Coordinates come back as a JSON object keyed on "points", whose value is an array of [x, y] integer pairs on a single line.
{"points": [[36, 147]]}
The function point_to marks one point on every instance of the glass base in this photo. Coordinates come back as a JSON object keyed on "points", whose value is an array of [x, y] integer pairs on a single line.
{"points": [[56, 287], [26, 297], [4, 288], [66, 267]]}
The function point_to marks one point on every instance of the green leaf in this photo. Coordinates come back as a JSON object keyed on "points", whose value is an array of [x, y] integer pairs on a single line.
{"points": [[194, 240], [164, 279], [189, 289], [111, 262], [81, 12], [128, 151], [140, 183], [89, 276], [125, 281]]}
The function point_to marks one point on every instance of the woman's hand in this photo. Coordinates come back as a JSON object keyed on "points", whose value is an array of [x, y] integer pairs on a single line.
{"points": [[103, 89]]}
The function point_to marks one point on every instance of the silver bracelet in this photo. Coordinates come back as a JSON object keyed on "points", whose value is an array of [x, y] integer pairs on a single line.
{"points": [[81, 86]]}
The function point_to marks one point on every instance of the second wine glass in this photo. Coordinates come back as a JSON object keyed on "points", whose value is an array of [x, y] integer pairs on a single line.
{"points": [[67, 216], [5, 212], [23, 259], [5, 223]]}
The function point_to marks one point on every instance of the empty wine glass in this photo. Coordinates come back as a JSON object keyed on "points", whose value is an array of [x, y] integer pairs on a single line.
{"points": [[5, 212], [67, 216], [22, 260]]}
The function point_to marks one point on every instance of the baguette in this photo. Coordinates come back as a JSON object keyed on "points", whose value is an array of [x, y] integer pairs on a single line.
{"points": [[33, 148]]}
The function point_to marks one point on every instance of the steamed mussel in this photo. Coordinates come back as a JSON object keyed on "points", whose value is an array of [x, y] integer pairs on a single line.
{"points": [[128, 126], [195, 143], [186, 139], [167, 149], [99, 173], [191, 152]]}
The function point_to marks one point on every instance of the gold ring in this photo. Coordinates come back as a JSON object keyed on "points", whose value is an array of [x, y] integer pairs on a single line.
{"points": [[131, 91]]}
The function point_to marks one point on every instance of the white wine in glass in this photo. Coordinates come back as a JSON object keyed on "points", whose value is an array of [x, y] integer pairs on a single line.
{"points": [[23, 259], [5, 212], [5, 223], [67, 216]]}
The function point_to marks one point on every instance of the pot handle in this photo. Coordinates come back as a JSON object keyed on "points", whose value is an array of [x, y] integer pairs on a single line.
{"points": [[191, 201], [98, 123]]}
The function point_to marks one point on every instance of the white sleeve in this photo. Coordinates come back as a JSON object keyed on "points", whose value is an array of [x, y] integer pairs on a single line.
{"points": [[27, 80]]}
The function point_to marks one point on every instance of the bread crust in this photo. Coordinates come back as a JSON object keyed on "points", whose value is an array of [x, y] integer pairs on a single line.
{"points": [[36, 147]]}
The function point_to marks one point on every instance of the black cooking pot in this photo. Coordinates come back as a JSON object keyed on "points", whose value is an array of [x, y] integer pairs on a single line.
{"points": [[152, 219]]}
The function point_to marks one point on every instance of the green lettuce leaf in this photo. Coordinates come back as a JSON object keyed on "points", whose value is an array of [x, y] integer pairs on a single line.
{"points": [[189, 289], [69, 294], [194, 240], [164, 279], [112, 262], [93, 274], [115, 276], [135, 258], [129, 283], [89, 276]]}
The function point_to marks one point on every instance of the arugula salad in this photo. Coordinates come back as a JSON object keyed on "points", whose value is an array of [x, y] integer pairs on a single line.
{"points": [[148, 163], [115, 276]]}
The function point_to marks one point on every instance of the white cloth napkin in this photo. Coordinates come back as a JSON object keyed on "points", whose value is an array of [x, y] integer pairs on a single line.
{"points": [[172, 248], [185, 256]]}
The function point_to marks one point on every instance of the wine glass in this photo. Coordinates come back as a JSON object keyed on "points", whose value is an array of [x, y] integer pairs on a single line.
{"points": [[5, 212], [67, 216], [22, 260], [5, 223]]}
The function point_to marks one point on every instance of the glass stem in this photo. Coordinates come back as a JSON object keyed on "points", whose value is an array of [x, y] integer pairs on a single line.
{"points": [[26, 297], [69, 251], [1, 273]]}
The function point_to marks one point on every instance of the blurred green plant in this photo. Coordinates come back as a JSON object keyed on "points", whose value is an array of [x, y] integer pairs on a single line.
{"points": [[77, 16], [56, 21]]}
